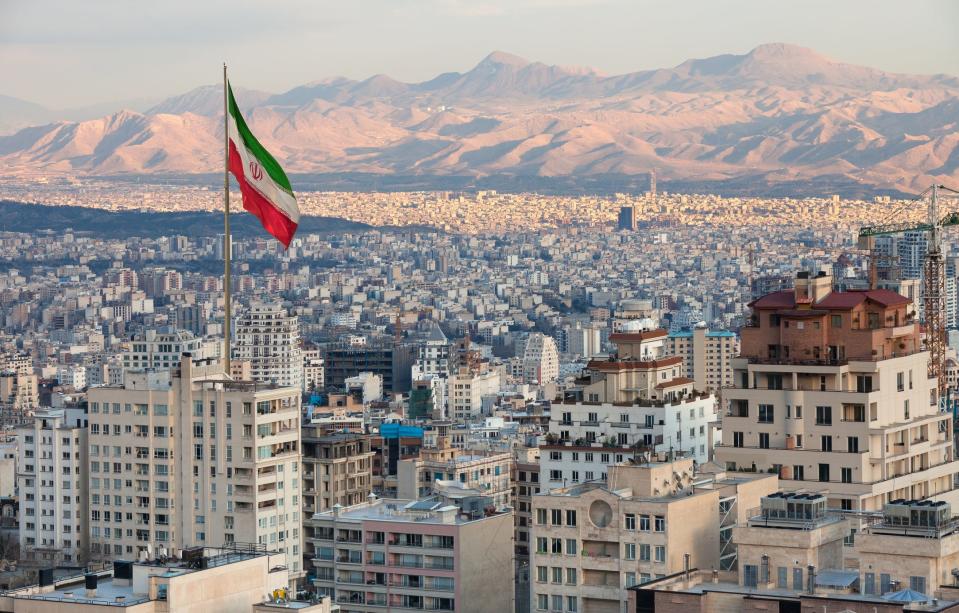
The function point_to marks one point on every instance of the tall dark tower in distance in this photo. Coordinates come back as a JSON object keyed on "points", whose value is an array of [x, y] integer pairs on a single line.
{"points": [[652, 184], [627, 218]]}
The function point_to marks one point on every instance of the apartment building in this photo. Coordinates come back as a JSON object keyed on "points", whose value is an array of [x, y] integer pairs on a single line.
{"points": [[203, 580], [190, 457], [593, 540], [52, 485], [485, 471], [19, 396], [163, 348], [434, 356], [707, 355], [526, 484], [540, 359], [637, 398], [337, 470], [405, 555], [832, 393], [467, 387], [269, 338], [796, 539], [313, 370]]}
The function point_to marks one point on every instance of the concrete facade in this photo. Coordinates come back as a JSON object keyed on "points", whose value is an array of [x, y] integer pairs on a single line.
{"points": [[192, 458]]}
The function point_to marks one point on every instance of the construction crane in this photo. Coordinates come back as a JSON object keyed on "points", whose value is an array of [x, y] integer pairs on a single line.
{"points": [[933, 272]]}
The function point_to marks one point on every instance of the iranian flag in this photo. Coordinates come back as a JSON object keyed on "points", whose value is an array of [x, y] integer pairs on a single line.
{"points": [[266, 190]]}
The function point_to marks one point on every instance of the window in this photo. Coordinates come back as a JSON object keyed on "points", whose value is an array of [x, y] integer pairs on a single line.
{"points": [[823, 416], [869, 579], [826, 442], [542, 602], [737, 439], [571, 547], [541, 516], [557, 574], [836, 321], [824, 472], [660, 524], [782, 577], [917, 584], [541, 574], [766, 414], [571, 576], [900, 381], [799, 473], [556, 546], [644, 552], [571, 604], [764, 440], [630, 521], [864, 384], [629, 551], [542, 544], [846, 475], [557, 603], [630, 580], [660, 553], [556, 517], [852, 444], [644, 523], [570, 517]]}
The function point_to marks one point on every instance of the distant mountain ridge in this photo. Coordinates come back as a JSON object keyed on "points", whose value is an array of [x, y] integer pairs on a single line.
{"points": [[782, 112]]}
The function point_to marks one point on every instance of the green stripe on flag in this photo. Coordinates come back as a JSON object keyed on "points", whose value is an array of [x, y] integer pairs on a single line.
{"points": [[259, 152]]}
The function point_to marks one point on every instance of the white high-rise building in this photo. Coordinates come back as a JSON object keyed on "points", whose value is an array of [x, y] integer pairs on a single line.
{"points": [[52, 482], [269, 339], [191, 458], [163, 348], [540, 359]]}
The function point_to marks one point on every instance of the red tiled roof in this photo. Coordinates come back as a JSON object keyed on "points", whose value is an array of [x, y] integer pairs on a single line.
{"points": [[776, 300], [887, 297], [674, 383], [645, 335], [835, 300]]}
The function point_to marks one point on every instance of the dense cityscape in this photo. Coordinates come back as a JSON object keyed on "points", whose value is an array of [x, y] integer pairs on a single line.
{"points": [[563, 393], [479, 306]]}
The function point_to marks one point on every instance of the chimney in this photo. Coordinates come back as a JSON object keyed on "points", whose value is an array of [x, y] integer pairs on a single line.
{"points": [[810, 290], [686, 567], [90, 580]]}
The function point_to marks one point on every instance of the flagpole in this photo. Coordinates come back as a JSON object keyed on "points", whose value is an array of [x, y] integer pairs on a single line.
{"points": [[227, 242]]}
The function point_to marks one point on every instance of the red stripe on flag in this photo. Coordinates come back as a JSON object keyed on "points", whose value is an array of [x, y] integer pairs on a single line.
{"points": [[272, 219]]}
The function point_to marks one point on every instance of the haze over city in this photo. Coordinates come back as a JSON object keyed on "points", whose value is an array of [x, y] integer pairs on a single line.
{"points": [[552, 306]]}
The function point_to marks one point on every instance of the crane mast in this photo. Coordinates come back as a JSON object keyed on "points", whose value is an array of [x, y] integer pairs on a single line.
{"points": [[933, 273], [934, 296]]}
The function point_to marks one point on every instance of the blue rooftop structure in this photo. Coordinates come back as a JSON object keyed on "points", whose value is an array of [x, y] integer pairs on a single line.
{"points": [[400, 431]]}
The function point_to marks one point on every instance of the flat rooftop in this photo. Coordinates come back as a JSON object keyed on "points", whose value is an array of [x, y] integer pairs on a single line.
{"points": [[73, 590], [396, 510]]}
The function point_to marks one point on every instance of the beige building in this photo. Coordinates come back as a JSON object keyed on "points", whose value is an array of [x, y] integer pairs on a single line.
{"points": [[203, 580], [707, 356], [485, 471], [832, 392], [337, 469], [401, 555], [192, 458], [593, 540], [467, 386], [796, 542]]}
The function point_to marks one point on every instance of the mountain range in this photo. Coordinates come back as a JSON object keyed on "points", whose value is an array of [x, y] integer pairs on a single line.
{"points": [[780, 114]]}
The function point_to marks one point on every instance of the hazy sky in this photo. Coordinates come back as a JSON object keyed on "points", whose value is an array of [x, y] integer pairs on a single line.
{"points": [[64, 53]]}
